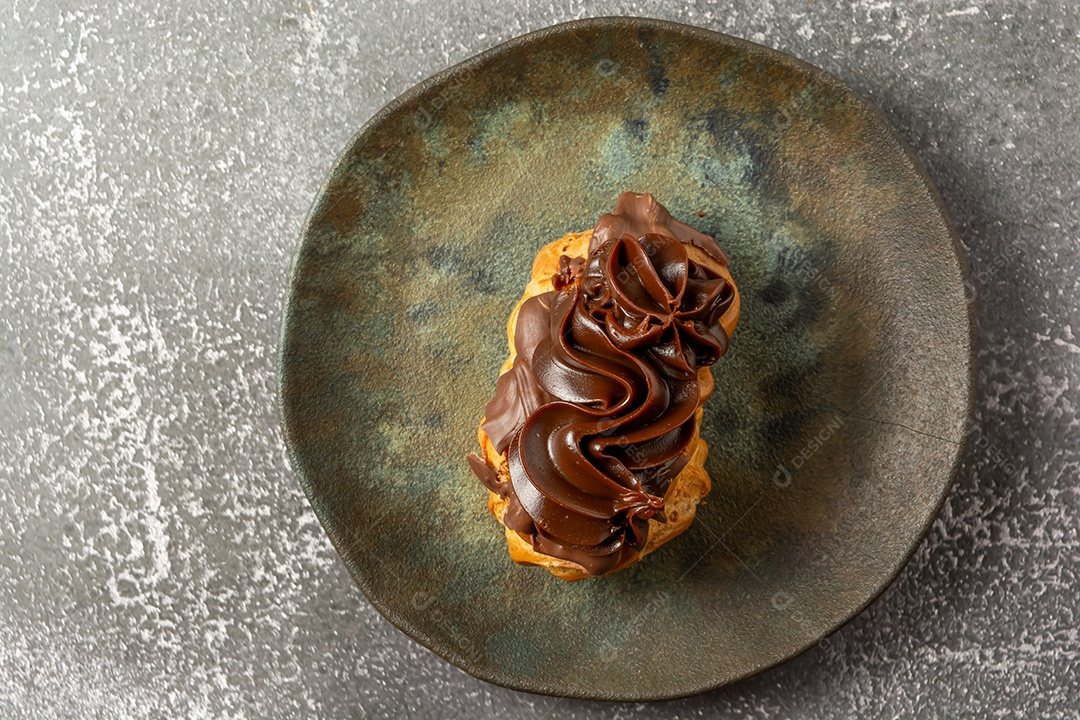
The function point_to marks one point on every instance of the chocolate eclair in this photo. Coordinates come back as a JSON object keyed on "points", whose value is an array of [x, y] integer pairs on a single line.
{"points": [[590, 448]]}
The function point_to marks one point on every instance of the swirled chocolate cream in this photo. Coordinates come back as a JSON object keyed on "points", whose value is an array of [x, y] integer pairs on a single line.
{"points": [[590, 448]]}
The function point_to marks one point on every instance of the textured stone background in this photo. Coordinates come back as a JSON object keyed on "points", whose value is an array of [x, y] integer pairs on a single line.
{"points": [[157, 556]]}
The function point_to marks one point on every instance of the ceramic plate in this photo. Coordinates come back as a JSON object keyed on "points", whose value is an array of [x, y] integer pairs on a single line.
{"points": [[839, 414]]}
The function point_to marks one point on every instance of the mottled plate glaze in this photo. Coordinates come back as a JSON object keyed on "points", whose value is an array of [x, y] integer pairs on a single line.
{"points": [[839, 414]]}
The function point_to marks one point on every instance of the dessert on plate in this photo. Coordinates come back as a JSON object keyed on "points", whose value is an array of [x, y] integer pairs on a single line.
{"points": [[590, 448]]}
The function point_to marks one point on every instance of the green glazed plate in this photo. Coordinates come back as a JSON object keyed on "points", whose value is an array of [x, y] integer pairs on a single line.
{"points": [[839, 416]]}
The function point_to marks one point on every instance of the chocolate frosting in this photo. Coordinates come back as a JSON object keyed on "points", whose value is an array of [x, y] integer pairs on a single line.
{"points": [[637, 214], [598, 411]]}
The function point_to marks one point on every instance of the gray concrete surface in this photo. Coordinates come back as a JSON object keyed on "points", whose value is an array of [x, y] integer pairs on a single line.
{"points": [[157, 557]]}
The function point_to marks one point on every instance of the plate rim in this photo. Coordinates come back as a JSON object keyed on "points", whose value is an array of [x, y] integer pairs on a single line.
{"points": [[402, 623]]}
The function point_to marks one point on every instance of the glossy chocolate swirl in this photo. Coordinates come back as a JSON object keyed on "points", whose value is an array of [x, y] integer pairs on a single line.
{"points": [[597, 414]]}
